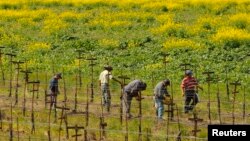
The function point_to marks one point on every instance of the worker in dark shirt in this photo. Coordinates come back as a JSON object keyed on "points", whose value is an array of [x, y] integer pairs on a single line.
{"points": [[132, 90], [54, 88]]}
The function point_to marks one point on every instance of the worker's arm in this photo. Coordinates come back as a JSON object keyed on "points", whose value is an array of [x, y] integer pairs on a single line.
{"points": [[182, 91], [198, 86], [113, 78]]}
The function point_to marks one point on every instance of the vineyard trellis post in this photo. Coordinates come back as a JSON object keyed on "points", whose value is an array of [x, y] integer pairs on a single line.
{"points": [[167, 126], [18, 132], [244, 103], [11, 55], [1, 64], [170, 105], [76, 128], [79, 57], [195, 119], [218, 99], [227, 81], [46, 91], [178, 138], [26, 80], [92, 64], [1, 119], [61, 119], [11, 121], [18, 68], [126, 126], [124, 78], [64, 91], [140, 117], [37, 73], [153, 79], [208, 80], [148, 132], [185, 65], [234, 92], [165, 63], [76, 93], [35, 85], [86, 115]]}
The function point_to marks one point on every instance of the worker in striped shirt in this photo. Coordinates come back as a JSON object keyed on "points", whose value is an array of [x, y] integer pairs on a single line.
{"points": [[189, 87]]}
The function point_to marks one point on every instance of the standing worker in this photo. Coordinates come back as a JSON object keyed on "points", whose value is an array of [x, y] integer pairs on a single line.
{"points": [[189, 87], [104, 78], [54, 88], [160, 95], [132, 90]]}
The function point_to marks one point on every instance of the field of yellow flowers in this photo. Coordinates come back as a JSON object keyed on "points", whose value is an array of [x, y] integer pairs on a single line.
{"points": [[146, 39]]}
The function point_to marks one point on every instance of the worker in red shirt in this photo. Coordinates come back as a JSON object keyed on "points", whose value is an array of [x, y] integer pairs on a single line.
{"points": [[189, 88]]}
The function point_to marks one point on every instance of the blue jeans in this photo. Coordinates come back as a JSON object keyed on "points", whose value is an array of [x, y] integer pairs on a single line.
{"points": [[160, 108], [106, 96]]}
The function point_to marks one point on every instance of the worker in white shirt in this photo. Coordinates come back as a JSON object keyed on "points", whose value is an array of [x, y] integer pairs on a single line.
{"points": [[104, 78]]}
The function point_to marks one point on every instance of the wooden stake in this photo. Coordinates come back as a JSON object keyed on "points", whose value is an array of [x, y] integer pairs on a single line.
{"points": [[179, 125], [11, 59], [244, 103], [17, 78], [235, 84], [61, 119], [124, 78], [209, 79], [86, 116], [1, 64], [11, 121], [140, 118], [185, 65], [218, 100], [195, 119], [80, 52], [1, 119], [92, 64], [34, 89], [76, 128], [165, 63], [26, 78]]}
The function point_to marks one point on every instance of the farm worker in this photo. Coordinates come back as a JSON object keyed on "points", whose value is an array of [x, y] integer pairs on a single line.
{"points": [[160, 95], [104, 78], [131, 90], [189, 85], [54, 88]]}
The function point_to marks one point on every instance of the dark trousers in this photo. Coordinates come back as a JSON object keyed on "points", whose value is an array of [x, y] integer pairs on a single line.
{"points": [[127, 98], [191, 99], [53, 99]]}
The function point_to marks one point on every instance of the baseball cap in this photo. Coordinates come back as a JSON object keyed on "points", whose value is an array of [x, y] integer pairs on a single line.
{"points": [[166, 81], [59, 75], [108, 67], [188, 72]]}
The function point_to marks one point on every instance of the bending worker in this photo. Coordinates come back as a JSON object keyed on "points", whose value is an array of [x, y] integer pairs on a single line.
{"points": [[132, 90]]}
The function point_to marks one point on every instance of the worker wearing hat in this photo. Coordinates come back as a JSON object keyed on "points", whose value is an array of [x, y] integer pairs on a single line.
{"points": [[189, 87], [104, 78], [54, 88]]}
